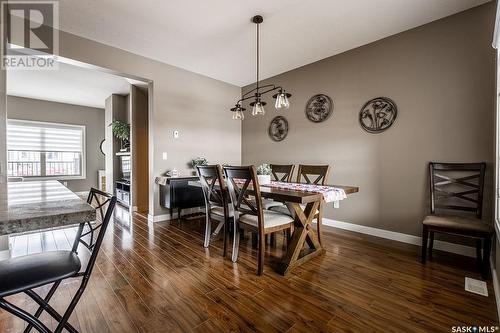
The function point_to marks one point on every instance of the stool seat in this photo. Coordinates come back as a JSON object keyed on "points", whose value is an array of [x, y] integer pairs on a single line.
{"points": [[31, 271]]}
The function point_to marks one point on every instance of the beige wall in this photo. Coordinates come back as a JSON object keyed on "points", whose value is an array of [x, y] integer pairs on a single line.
{"points": [[442, 78], [91, 118], [195, 105]]}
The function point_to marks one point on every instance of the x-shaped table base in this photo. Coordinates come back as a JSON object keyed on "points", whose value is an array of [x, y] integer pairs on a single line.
{"points": [[303, 234]]}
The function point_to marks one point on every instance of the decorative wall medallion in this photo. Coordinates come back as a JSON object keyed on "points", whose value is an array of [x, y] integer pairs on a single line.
{"points": [[278, 128], [319, 108], [378, 114]]}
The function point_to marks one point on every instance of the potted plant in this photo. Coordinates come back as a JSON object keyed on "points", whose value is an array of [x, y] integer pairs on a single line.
{"points": [[121, 131], [264, 174], [198, 161]]}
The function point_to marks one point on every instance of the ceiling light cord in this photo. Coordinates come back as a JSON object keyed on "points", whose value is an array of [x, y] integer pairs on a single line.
{"points": [[258, 60]]}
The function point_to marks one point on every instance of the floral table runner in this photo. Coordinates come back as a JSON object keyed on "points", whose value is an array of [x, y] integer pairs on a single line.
{"points": [[330, 194]]}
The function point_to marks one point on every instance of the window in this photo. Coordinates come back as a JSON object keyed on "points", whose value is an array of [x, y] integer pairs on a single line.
{"points": [[46, 150]]}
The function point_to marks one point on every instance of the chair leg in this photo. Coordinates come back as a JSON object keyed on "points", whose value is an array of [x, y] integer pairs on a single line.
{"points": [[236, 242], [272, 239], [224, 247], [208, 230], [479, 257], [431, 243], [20, 313], [50, 310], [262, 247], [486, 257], [45, 301], [425, 235], [255, 240], [71, 307]]}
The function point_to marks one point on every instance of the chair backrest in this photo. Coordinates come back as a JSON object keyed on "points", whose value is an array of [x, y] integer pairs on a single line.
{"points": [[213, 186], [242, 183], [91, 234], [319, 171], [457, 186], [282, 173]]}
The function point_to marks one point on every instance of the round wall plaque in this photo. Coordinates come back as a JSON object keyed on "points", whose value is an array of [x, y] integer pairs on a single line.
{"points": [[319, 108], [378, 114], [278, 128]]}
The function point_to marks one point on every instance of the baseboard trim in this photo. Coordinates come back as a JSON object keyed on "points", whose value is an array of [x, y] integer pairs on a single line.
{"points": [[173, 215], [468, 251]]}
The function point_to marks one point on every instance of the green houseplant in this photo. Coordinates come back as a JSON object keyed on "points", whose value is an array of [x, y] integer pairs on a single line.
{"points": [[121, 131], [264, 173]]}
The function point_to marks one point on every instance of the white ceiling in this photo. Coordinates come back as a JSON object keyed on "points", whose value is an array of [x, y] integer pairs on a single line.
{"points": [[69, 84], [216, 38]]}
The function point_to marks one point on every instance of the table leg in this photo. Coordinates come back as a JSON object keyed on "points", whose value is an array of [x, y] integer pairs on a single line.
{"points": [[4, 247], [303, 233]]}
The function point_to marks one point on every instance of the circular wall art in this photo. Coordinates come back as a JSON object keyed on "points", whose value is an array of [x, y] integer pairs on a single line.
{"points": [[319, 108], [378, 114], [278, 128]]}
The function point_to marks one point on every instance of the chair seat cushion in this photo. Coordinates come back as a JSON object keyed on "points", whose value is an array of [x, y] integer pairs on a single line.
{"points": [[218, 210], [458, 223], [268, 203], [31, 271], [284, 209], [271, 219]]}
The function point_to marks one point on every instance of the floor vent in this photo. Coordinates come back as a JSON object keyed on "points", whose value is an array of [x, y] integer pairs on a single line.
{"points": [[476, 286]]}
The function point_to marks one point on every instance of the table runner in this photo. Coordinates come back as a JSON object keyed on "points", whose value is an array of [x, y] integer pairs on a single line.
{"points": [[330, 194]]}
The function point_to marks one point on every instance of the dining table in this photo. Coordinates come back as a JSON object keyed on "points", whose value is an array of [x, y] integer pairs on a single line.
{"points": [[303, 202], [31, 206]]}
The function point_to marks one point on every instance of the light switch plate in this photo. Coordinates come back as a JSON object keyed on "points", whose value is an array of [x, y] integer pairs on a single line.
{"points": [[164, 156]]}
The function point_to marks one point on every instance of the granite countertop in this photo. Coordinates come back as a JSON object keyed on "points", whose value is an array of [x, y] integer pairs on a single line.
{"points": [[36, 205]]}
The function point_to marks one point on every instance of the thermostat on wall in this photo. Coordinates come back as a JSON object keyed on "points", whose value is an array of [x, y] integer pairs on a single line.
{"points": [[176, 134]]}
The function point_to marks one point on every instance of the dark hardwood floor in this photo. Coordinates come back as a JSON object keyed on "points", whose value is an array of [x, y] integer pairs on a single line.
{"points": [[161, 279]]}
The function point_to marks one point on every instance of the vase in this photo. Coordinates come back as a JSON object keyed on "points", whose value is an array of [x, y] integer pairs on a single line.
{"points": [[264, 179]]}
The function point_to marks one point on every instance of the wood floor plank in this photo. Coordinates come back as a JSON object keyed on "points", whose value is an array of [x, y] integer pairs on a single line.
{"points": [[159, 277]]}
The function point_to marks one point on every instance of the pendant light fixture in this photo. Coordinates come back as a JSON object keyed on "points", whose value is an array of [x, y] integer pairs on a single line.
{"points": [[257, 105]]}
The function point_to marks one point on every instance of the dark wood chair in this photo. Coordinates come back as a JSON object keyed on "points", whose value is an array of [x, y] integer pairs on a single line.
{"points": [[311, 174], [216, 202], [282, 173], [23, 274], [242, 182], [458, 187]]}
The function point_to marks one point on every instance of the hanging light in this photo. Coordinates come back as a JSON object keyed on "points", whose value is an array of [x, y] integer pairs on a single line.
{"points": [[238, 112], [282, 102], [258, 107]]}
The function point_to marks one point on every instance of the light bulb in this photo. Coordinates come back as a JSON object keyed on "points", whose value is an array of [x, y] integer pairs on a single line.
{"points": [[238, 115], [282, 101], [258, 109]]}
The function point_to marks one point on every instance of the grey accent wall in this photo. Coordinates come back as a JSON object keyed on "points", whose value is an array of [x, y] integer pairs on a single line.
{"points": [[195, 105], [442, 78], [91, 118]]}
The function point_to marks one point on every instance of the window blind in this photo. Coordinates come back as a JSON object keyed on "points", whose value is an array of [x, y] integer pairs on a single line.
{"points": [[25, 135]]}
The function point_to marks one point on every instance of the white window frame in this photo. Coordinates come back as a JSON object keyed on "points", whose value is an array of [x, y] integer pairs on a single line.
{"points": [[84, 150]]}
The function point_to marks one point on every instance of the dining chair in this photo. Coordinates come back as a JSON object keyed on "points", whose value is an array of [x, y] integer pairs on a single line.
{"points": [[242, 182], [310, 174], [216, 202], [456, 206], [281, 172], [25, 273]]}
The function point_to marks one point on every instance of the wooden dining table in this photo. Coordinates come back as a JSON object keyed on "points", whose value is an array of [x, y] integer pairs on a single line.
{"points": [[304, 244]]}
